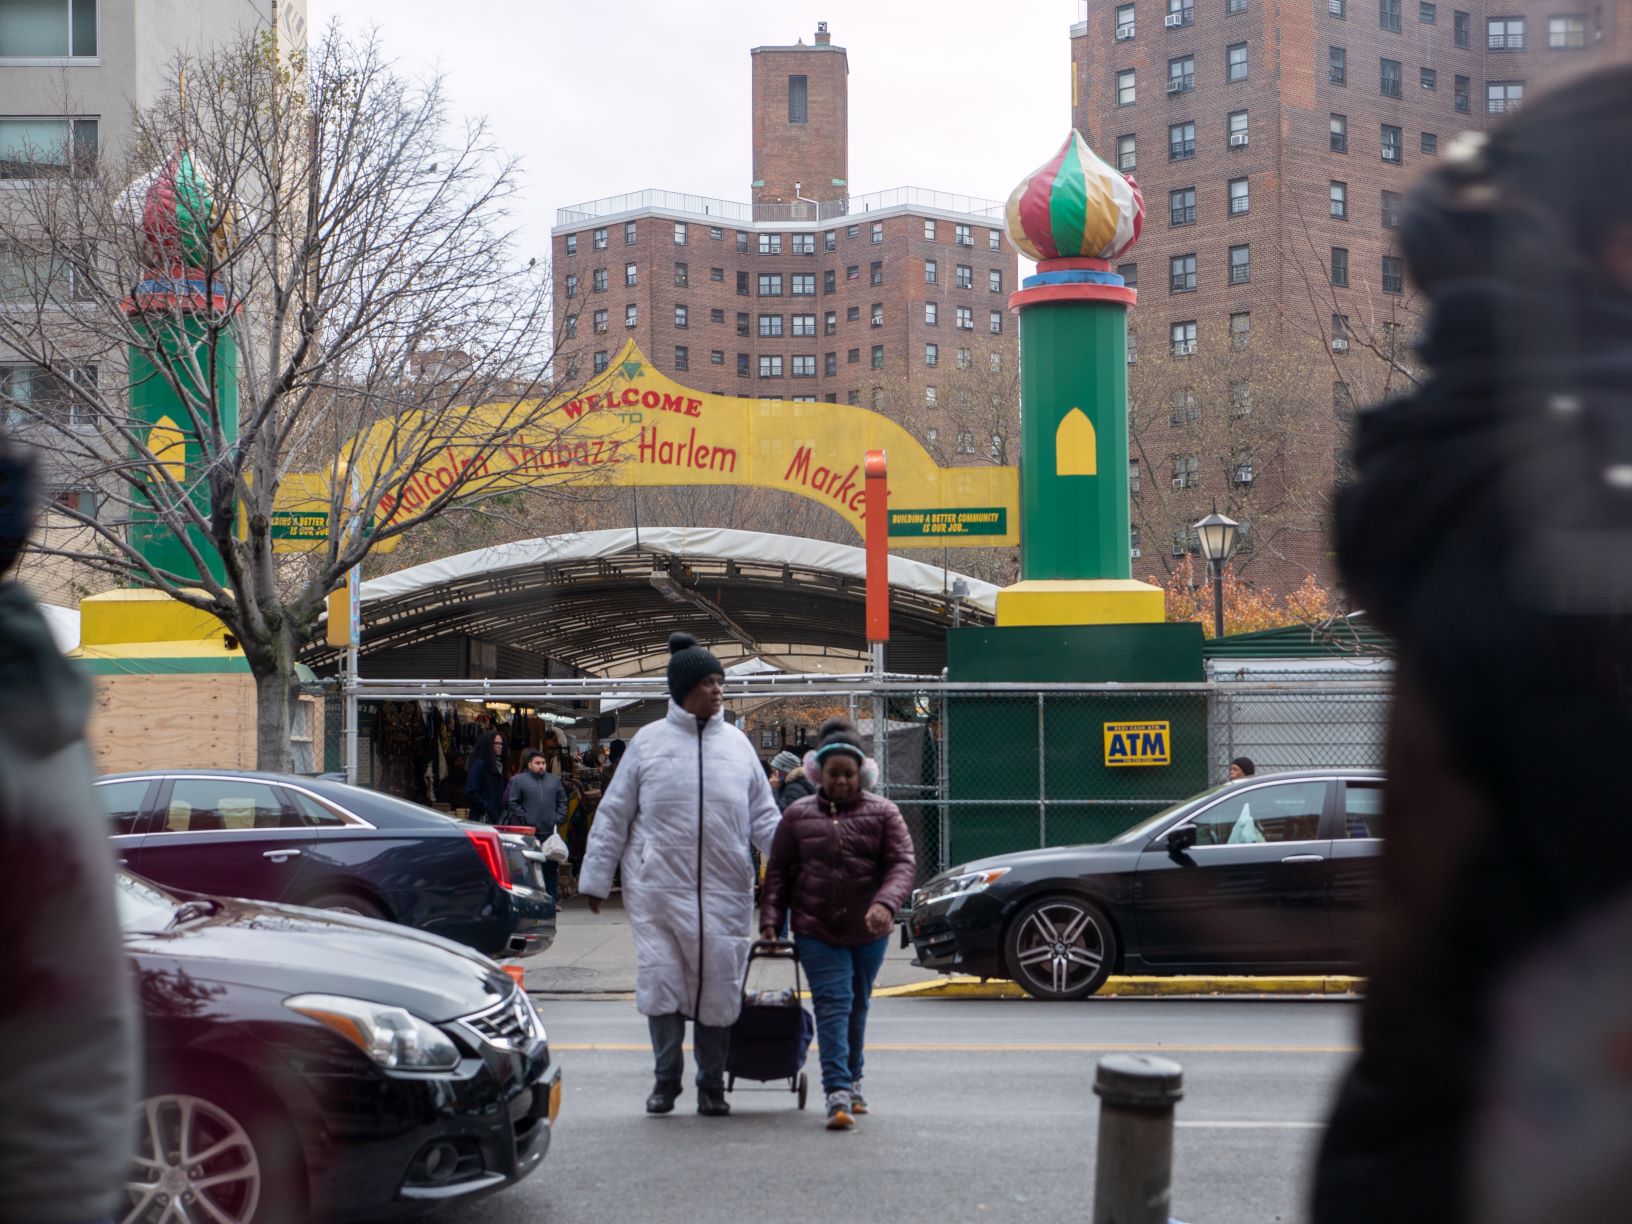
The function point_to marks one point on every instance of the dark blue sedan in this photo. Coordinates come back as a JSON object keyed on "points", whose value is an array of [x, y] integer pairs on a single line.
{"points": [[299, 841]]}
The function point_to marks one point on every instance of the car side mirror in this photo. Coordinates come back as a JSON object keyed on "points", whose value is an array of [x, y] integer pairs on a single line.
{"points": [[1181, 839]]}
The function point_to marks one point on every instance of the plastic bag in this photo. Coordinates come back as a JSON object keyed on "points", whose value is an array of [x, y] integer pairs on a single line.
{"points": [[555, 849]]}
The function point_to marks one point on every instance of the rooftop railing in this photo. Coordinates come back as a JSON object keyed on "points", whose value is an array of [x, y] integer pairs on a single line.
{"points": [[807, 212]]}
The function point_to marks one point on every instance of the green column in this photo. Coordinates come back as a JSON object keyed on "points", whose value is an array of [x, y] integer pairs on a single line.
{"points": [[1073, 355]]}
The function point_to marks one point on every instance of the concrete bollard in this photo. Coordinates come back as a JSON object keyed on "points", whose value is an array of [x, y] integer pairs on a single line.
{"points": [[1133, 1179]]}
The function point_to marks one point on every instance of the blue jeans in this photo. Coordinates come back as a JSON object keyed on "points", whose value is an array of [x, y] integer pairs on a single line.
{"points": [[841, 987]]}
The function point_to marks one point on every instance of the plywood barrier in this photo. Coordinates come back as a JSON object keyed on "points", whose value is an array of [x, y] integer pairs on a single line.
{"points": [[173, 722]]}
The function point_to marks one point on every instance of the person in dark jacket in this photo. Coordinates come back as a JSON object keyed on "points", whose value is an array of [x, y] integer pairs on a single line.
{"points": [[842, 864], [537, 798], [68, 1055], [485, 781], [1488, 531], [794, 784]]}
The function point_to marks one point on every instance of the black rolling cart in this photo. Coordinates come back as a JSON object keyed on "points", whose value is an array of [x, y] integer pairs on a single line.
{"points": [[772, 1035]]}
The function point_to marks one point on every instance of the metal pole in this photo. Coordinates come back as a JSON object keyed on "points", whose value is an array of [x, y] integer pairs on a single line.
{"points": [[1133, 1172], [1042, 778], [881, 751], [1218, 598], [351, 713]]}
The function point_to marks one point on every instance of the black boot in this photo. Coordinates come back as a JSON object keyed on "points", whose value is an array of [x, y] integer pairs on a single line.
{"points": [[711, 1103], [662, 1099]]}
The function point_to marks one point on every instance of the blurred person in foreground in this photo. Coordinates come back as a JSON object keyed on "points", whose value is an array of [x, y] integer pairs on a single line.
{"points": [[67, 1029], [1489, 532]]}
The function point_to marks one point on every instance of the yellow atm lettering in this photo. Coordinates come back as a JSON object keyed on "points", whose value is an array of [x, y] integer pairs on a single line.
{"points": [[1138, 744]]}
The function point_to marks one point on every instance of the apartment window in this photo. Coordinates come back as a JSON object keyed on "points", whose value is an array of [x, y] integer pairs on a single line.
{"points": [[1181, 141], [572, 244], [1393, 274], [48, 29], [1180, 12], [1239, 199], [1342, 401], [830, 281], [877, 233], [875, 271], [995, 322], [631, 315], [1503, 96], [1181, 74], [1340, 200], [932, 314], [1461, 24], [1240, 329], [1124, 22], [1393, 144], [1340, 133], [1240, 264], [830, 364], [1337, 65], [852, 231], [852, 314], [804, 365], [1184, 338], [1567, 32], [1430, 143], [742, 242], [770, 284], [681, 315], [597, 280], [1133, 356], [1340, 266], [830, 323], [1393, 204], [770, 244], [770, 365], [966, 359], [1241, 470], [1428, 78], [1337, 8], [1427, 13], [742, 323], [966, 318], [597, 322], [682, 357], [804, 325], [36, 148], [1181, 533], [1388, 14], [1391, 78], [830, 240], [572, 285], [598, 240], [932, 355], [681, 232], [1181, 274], [1234, 8], [994, 281], [681, 275], [1125, 93], [804, 284], [1462, 94], [1134, 485], [931, 271], [32, 391], [964, 276], [716, 233], [1235, 62], [1504, 33], [571, 322], [1127, 158], [770, 325], [1236, 126], [878, 356], [930, 398], [716, 357], [853, 357], [742, 365], [1129, 272], [600, 362], [878, 314], [798, 99], [1340, 329], [1186, 473], [631, 274], [994, 240], [963, 236], [1185, 409], [742, 284]]}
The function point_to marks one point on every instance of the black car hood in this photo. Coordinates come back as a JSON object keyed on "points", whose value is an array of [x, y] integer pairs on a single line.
{"points": [[291, 950], [1044, 860]]}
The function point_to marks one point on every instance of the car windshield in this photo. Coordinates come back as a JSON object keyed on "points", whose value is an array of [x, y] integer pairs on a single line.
{"points": [[143, 907], [1149, 824]]}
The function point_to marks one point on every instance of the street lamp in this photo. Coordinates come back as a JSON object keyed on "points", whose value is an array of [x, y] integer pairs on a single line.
{"points": [[1218, 536]]}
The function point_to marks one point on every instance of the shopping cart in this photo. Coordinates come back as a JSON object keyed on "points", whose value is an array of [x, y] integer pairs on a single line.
{"points": [[772, 1035]]}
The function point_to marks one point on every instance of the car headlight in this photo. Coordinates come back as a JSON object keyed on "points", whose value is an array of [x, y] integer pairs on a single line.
{"points": [[963, 883], [391, 1036]]}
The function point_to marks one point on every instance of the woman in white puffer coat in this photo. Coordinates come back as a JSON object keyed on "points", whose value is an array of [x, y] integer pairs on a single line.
{"points": [[688, 797]]}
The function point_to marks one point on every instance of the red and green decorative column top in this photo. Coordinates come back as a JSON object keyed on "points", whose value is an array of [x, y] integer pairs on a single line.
{"points": [[1075, 215]]}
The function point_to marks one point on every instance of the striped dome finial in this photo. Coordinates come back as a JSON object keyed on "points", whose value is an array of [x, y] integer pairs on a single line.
{"points": [[1075, 206]]}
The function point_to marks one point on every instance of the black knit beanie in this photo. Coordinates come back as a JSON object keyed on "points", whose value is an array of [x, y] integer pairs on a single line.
{"points": [[689, 665]]}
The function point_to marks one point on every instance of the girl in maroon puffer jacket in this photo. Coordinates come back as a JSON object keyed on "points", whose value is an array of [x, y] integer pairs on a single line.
{"points": [[842, 862]]}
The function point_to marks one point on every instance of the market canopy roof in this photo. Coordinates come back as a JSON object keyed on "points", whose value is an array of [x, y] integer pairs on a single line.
{"points": [[606, 601]]}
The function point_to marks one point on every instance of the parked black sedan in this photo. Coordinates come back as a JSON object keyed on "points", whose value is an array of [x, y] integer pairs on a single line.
{"points": [[329, 846], [308, 1066], [1271, 874]]}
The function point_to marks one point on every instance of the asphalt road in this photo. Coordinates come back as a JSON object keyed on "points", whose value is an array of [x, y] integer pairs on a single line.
{"points": [[981, 1111]]}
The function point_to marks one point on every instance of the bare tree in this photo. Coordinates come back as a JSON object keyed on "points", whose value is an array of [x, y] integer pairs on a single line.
{"points": [[328, 223]]}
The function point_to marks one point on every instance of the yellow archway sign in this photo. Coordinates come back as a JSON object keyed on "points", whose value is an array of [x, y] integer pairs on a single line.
{"points": [[632, 425]]}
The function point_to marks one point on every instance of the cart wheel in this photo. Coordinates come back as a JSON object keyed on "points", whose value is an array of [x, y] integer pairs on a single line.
{"points": [[801, 1090], [730, 1083]]}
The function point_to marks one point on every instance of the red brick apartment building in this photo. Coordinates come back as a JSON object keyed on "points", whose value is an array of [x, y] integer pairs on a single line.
{"points": [[897, 299], [1274, 143]]}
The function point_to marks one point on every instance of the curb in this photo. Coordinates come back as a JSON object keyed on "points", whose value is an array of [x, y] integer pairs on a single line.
{"points": [[1134, 987]]}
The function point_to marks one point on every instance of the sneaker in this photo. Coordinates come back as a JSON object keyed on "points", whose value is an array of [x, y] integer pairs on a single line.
{"points": [[838, 1111], [858, 1103]]}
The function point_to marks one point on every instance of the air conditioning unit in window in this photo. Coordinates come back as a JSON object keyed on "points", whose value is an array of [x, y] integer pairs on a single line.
{"points": [[1173, 20], [1185, 348], [1125, 33], [1175, 86], [1340, 346], [1238, 140], [1135, 553]]}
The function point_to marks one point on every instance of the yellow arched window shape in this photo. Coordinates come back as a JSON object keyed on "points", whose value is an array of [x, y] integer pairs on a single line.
{"points": [[169, 448], [1076, 446]]}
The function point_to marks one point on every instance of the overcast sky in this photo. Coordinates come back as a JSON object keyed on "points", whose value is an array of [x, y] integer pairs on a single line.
{"points": [[610, 96]]}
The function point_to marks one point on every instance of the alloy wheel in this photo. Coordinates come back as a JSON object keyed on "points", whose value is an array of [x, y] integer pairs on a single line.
{"points": [[194, 1162], [1060, 946]]}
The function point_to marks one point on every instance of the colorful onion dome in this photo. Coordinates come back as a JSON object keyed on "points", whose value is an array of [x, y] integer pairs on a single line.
{"points": [[178, 214], [1075, 206]]}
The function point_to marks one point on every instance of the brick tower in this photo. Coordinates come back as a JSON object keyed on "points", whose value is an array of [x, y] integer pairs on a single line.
{"points": [[801, 122]]}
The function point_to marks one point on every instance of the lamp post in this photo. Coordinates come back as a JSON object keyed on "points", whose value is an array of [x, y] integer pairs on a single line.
{"points": [[1218, 535]]}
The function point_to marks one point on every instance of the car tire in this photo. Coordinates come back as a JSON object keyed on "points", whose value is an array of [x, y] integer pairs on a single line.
{"points": [[349, 903], [1060, 947], [253, 1162]]}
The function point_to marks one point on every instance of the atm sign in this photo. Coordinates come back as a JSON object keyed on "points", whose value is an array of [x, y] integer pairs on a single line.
{"points": [[1149, 743]]}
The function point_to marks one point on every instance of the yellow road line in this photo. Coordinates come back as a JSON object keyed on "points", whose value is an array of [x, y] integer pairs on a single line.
{"points": [[1016, 1047]]}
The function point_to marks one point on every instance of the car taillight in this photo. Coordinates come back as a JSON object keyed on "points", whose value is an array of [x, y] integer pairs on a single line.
{"points": [[489, 847]]}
